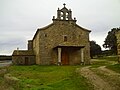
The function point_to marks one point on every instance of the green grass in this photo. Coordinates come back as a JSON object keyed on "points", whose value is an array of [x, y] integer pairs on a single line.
{"points": [[49, 78], [115, 67], [109, 58], [104, 61], [109, 61], [99, 62]]}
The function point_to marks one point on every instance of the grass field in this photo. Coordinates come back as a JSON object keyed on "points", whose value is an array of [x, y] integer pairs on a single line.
{"points": [[109, 58], [104, 61], [37, 77], [49, 78], [115, 67], [111, 62]]}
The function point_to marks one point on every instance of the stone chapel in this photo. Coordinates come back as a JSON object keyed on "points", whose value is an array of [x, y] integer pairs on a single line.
{"points": [[63, 42]]}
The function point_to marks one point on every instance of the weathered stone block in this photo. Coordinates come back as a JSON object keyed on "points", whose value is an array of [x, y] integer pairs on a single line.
{"points": [[10, 80]]}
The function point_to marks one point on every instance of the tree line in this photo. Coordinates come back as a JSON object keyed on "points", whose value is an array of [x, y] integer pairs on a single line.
{"points": [[110, 43]]}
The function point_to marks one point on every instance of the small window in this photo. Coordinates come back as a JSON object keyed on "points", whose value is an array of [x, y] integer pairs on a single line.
{"points": [[65, 38], [45, 35]]}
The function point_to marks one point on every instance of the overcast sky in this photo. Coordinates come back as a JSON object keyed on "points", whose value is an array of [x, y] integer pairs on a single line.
{"points": [[19, 19]]}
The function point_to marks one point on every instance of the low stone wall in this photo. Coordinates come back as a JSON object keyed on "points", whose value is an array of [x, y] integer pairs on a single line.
{"points": [[12, 81]]}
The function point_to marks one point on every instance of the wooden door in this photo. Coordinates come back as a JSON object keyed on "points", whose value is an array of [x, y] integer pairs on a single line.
{"points": [[26, 61], [65, 57]]}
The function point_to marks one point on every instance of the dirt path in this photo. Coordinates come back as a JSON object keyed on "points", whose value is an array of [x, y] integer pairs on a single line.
{"points": [[108, 71], [97, 81], [109, 76]]}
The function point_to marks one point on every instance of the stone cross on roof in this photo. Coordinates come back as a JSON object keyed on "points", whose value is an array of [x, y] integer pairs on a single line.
{"points": [[64, 4]]}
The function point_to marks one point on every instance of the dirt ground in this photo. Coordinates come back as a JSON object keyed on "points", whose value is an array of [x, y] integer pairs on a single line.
{"points": [[101, 78]]}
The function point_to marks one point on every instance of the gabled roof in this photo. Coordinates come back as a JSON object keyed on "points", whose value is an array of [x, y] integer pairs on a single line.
{"points": [[46, 27], [62, 14], [43, 29], [64, 9], [23, 52], [83, 28]]}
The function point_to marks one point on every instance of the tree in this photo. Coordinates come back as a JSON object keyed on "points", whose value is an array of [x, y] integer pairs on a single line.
{"points": [[111, 41], [95, 49]]}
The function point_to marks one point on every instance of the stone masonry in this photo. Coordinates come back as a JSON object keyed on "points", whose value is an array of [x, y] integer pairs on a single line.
{"points": [[62, 42], [118, 43]]}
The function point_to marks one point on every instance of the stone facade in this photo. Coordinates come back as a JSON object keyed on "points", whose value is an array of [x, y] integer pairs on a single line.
{"points": [[23, 57], [63, 42], [118, 44]]}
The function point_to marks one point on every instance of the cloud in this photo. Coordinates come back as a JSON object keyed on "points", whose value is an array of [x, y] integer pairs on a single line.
{"points": [[8, 45], [19, 19]]}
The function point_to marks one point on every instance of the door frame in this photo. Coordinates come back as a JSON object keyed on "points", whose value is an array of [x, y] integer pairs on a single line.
{"points": [[65, 56]]}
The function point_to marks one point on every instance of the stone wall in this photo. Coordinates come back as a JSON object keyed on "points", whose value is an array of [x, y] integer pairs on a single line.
{"points": [[118, 45], [23, 57], [36, 47], [23, 60], [50, 37], [30, 45]]}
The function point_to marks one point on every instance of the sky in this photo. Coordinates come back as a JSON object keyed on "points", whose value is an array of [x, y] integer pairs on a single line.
{"points": [[19, 19]]}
